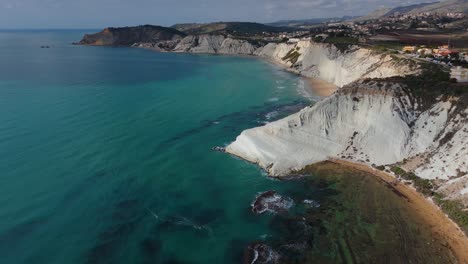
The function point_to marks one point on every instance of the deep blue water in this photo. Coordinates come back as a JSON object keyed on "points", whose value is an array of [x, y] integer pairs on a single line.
{"points": [[105, 153]]}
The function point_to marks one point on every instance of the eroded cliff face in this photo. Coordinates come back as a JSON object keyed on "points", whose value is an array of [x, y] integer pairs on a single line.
{"points": [[310, 59], [319, 60], [377, 122], [215, 44], [373, 122], [330, 64]]}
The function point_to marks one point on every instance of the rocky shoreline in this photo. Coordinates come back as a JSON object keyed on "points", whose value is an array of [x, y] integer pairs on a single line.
{"points": [[355, 199], [377, 117]]}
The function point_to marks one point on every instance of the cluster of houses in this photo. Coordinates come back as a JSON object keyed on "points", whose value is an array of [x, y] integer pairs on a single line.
{"points": [[458, 73], [443, 51]]}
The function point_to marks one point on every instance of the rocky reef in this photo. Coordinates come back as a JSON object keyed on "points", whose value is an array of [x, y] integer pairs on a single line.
{"points": [[272, 202]]}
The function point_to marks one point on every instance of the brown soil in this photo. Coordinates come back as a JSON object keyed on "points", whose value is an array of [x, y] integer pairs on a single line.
{"points": [[322, 88]]}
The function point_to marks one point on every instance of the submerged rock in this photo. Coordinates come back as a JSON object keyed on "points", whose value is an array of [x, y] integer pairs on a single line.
{"points": [[311, 203], [219, 149], [258, 253], [271, 201]]}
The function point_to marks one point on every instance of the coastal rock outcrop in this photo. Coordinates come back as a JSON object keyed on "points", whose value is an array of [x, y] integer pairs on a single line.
{"points": [[215, 44], [370, 121], [327, 62], [128, 36], [308, 58], [271, 201]]}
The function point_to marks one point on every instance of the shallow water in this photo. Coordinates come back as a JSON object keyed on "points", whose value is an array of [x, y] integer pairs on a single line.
{"points": [[106, 155], [360, 219]]}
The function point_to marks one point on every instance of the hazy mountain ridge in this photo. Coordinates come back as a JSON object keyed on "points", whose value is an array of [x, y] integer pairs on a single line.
{"points": [[450, 6]]}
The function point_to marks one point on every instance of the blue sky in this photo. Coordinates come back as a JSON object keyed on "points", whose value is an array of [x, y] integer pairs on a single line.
{"points": [[102, 13]]}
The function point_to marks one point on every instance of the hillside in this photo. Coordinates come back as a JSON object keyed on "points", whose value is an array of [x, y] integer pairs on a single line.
{"points": [[409, 9], [455, 6], [373, 15], [233, 28], [126, 36], [303, 23]]}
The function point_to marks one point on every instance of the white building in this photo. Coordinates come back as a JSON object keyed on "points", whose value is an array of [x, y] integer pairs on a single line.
{"points": [[459, 73], [293, 40]]}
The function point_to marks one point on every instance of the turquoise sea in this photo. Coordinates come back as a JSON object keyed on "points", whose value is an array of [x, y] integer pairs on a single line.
{"points": [[106, 155], [94, 142]]}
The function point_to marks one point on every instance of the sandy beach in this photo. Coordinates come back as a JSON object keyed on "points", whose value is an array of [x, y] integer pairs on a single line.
{"points": [[439, 223], [321, 87]]}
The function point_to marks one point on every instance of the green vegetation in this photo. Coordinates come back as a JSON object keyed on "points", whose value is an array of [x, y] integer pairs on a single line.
{"points": [[341, 42], [292, 56], [452, 208], [386, 46], [433, 82], [233, 28], [422, 185]]}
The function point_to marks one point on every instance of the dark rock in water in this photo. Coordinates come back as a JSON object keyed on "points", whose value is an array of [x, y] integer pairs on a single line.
{"points": [[219, 149], [271, 201], [45, 47], [258, 253], [311, 203]]}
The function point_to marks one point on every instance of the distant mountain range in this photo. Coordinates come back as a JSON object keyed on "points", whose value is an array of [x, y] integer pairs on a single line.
{"points": [[455, 6]]}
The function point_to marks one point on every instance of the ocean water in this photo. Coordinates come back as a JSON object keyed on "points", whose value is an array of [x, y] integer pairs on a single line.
{"points": [[100, 146], [106, 156]]}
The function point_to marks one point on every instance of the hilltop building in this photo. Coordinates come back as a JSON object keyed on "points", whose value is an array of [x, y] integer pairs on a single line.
{"points": [[409, 48]]}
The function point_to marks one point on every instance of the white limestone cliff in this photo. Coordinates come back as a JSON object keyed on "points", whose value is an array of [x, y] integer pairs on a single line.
{"points": [[216, 44], [310, 59], [328, 63], [374, 122]]}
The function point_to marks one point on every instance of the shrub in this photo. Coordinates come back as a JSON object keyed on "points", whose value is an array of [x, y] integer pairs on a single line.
{"points": [[423, 186], [454, 210]]}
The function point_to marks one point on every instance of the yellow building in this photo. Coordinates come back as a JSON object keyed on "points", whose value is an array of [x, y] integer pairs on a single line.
{"points": [[409, 48]]}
